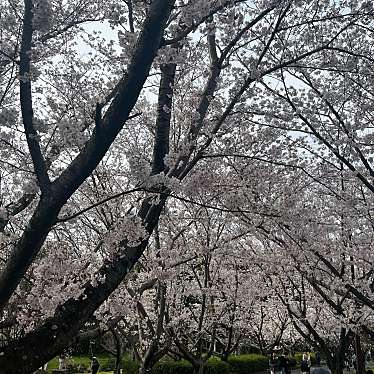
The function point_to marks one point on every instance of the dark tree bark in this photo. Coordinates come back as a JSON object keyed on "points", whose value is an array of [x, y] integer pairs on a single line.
{"points": [[165, 97], [119, 351], [335, 357], [360, 355], [59, 191], [37, 347], [57, 332]]}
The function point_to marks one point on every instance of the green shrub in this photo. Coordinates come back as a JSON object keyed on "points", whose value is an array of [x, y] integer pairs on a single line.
{"points": [[172, 367], [213, 366], [298, 357], [216, 366], [107, 364], [292, 362], [249, 363], [79, 364], [129, 366]]}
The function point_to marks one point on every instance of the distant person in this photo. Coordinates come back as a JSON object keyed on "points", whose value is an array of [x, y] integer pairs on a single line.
{"points": [[288, 362], [318, 359], [305, 363], [306, 357], [94, 365], [368, 355], [347, 363], [284, 363], [61, 362], [274, 364]]}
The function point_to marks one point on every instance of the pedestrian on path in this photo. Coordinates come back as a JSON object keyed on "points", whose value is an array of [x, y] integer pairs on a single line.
{"points": [[274, 364], [305, 363], [318, 359], [284, 363], [94, 365]]}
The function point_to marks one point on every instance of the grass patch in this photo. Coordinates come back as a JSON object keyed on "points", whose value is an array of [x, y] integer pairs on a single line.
{"points": [[84, 362]]}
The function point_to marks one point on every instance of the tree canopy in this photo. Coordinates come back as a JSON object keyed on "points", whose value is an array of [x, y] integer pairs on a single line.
{"points": [[185, 172]]}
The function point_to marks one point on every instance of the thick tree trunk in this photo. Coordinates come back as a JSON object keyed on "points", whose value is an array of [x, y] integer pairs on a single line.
{"points": [[165, 97], [199, 369], [151, 359], [161, 148], [37, 347], [336, 366], [144, 368], [58, 332], [60, 190], [147, 362], [152, 356], [360, 356], [227, 348], [118, 363], [335, 362]]}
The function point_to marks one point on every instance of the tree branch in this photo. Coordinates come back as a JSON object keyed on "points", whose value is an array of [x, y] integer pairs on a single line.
{"points": [[26, 99]]}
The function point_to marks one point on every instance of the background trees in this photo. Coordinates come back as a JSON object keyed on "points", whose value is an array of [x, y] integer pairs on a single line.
{"points": [[239, 127]]}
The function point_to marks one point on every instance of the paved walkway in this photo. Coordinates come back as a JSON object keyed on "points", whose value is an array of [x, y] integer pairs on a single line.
{"points": [[295, 370]]}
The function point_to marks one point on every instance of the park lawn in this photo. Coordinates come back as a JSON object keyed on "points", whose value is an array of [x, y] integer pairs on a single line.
{"points": [[82, 360]]}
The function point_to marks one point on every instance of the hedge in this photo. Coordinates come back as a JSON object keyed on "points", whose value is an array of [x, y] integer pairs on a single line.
{"points": [[172, 367], [129, 366], [213, 366], [249, 363], [243, 364], [216, 366]]}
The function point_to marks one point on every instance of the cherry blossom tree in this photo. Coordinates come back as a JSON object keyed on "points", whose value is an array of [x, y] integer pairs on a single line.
{"points": [[98, 134]]}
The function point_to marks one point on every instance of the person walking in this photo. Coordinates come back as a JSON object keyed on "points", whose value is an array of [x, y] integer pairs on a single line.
{"points": [[61, 362], [284, 363], [274, 364], [318, 359], [368, 356], [305, 363], [94, 365]]}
